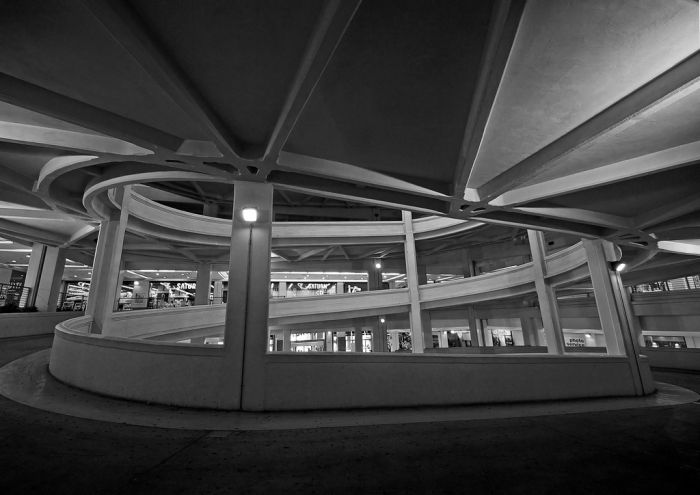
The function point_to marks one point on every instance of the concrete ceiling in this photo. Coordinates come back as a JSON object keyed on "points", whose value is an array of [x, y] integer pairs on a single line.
{"points": [[572, 117]]}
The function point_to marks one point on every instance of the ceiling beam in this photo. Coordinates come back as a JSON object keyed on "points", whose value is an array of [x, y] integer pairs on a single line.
{"points": [[26, 95], [581, 215], [330, 28], [35, 214], [322, 168], [357, 192], [670, 84], [524, 221], [49, 137], [505, 19], [678, 156], [666, 212], [79, 235], [32, 234], [129, 31]]}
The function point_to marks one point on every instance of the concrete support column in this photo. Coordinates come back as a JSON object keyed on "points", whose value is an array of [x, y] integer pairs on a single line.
{"points": [[421, 331], [614, 309], [608, 311], [486, 335], [282, 291], [33, 276], [245, 328], [379, 336], [357, 326], [374, 275], [474, 327], [218, 291], [105, 283], [340, 287], [530, 331], [546, 294], [50, 281], [201, 295], [286, 340]]}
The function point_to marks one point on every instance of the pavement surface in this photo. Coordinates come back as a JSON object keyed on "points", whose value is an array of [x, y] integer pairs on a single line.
{"points": [[637, 450]]}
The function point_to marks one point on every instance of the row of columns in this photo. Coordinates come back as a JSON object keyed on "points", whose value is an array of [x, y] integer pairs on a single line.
{"points": [[245, 329]]}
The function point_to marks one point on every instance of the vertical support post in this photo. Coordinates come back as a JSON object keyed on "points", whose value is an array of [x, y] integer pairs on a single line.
{"points": [[421, 331], [473, 327], [379, 343], [218, 292], [614, 311], [286, 340], [245, 329], [546, 294], [106, 267], [357, 327], [601, 274], [33, 276], [201, 295], [282, 291], [46, 293]]}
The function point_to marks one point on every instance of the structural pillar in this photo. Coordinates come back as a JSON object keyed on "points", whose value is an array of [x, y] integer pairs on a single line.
{"points": [[218, 292], [286, 340], [105, 282], [50, 280], [473, 327], [357, 327], [379, 335], [33, 276], [246, 328], [546, 294], [613, 309], [530, 331], [421, 331], [201, 295]]}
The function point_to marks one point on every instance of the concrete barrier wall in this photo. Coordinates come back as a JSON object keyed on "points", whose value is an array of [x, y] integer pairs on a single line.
{"points": [[25, 324], [199, 376], [317, 381], [682, 359], [174, 374]]}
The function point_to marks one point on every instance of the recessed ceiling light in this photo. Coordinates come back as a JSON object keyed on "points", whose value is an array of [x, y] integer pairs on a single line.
{"points": [[13, 261]]}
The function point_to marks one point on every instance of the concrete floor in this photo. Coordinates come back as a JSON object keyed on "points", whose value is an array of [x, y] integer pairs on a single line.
{"points": [[641, 450]]}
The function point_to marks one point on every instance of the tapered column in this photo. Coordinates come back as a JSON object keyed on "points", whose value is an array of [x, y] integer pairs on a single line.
{"points": [[282, 289], [613, 308], [218, 292], [473, 327], [33, 276], [601, 275], [545, 294], [530, 333], [50, 281], [286, 340], [104, 284], [245, 330], [421, 331], [357, 327], [201, 295], [379, 335]]}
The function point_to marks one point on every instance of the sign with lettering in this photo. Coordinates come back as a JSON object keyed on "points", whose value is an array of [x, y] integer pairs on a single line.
{"points": [[576, 342]]}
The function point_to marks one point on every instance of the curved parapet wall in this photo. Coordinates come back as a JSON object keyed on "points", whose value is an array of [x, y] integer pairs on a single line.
{"points": [[182, 374], [205, 376]]}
